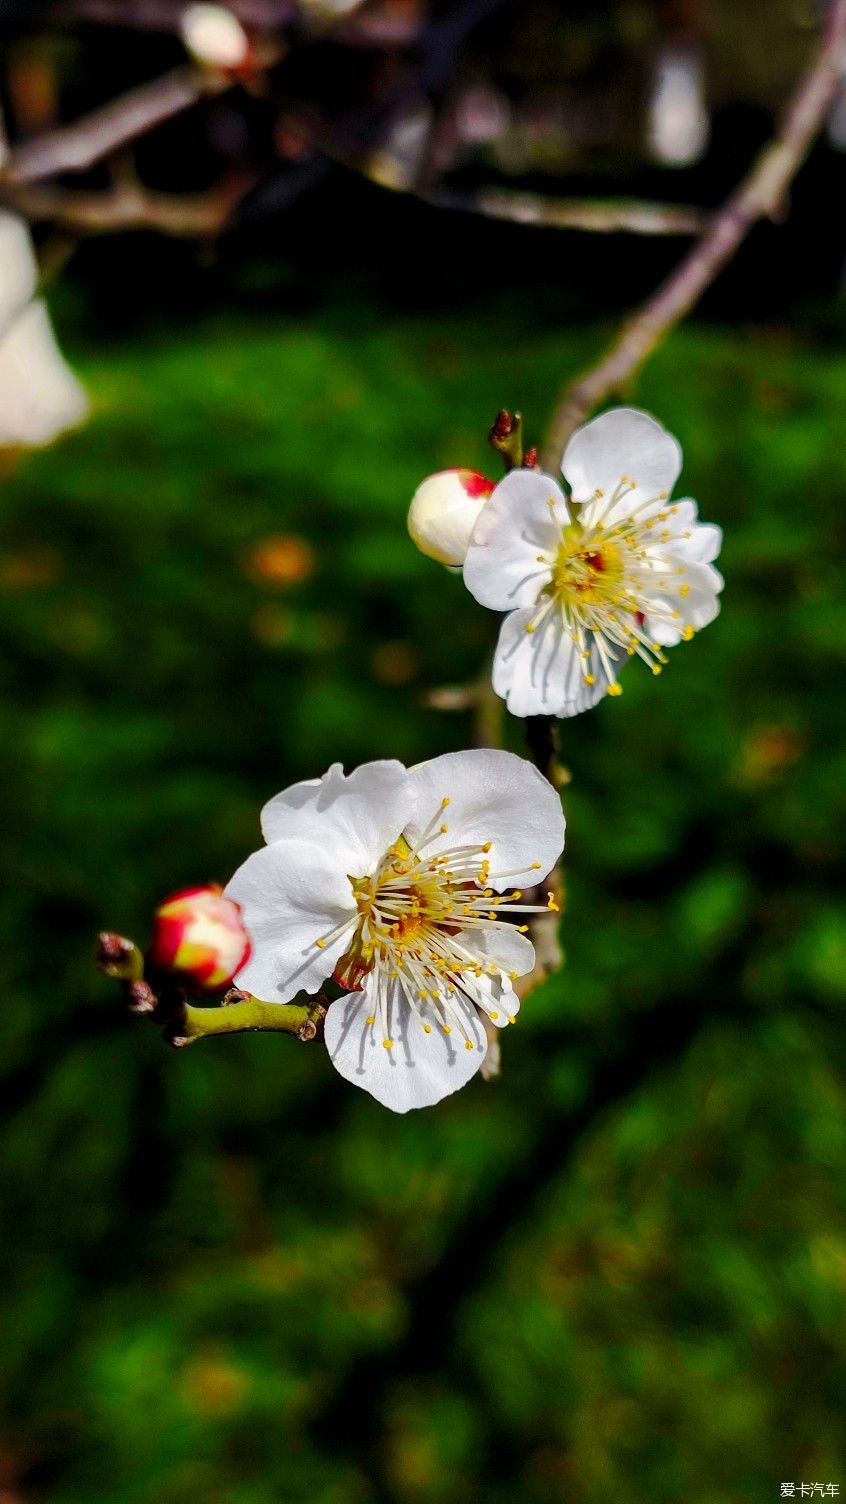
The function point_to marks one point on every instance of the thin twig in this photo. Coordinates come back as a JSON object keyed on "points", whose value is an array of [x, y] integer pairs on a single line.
{"points": [[76, 147], [161, 1000], [516, 206], [760, 195], [129, 206], [600, 216]]}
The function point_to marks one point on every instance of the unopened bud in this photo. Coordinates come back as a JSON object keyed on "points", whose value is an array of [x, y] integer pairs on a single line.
{"points": [[215, 37], [443, 513], [119, 957], [506, 437], [141, 997], [200, 935]]}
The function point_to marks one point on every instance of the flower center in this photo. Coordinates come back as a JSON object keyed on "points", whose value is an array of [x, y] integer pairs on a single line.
{"points": [[586, 571], [429, 923], [608, 575]]}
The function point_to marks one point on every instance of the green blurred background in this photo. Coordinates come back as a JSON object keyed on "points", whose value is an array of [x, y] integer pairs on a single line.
{"points": [[619, 1271]]}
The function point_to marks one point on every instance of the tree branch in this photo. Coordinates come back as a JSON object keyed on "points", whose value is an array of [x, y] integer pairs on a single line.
{"points": [[162, 1001], [759, 196], [601, 216], [73, 148], [245, 1014], [76, 147], [129, 206]]}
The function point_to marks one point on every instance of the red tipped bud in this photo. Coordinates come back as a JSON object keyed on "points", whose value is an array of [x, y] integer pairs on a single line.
{"points": [[443, 513], [200, 935]]}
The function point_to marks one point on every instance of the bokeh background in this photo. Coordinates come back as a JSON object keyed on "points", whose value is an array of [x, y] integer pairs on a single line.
{"points": [[619, 1271]]}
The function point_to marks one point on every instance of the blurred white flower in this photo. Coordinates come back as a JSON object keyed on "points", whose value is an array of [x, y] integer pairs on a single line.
{"points": [[443, 512], [18, 270], [214, 36], [39, 394], [679, 127], [397, 882], [616, 570]]}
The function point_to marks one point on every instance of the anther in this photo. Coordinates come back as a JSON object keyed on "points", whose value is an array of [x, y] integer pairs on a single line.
{"points": [[388, 1044]]}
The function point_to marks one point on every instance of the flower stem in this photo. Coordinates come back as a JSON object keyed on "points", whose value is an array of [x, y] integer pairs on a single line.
{"points": [[247, 1015], [158, 997]]}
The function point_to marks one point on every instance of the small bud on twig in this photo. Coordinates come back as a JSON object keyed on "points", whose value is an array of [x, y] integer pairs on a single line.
{"points": [[141, 997], [118, 957], [506, 437]]}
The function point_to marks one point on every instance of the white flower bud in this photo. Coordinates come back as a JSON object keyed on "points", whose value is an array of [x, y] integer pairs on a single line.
{"points": [[214, 36], [443, 513]]}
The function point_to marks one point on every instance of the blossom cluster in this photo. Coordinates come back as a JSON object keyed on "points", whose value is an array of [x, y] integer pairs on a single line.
{"points": [[405, 889], [613, 569]]}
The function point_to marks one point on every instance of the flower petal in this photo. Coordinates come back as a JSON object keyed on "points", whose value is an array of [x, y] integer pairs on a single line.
{"points": [[499, 1000], [622, 442], [517, 524], [542, 672], [356, 817], [494, 796], [500, 945], [291, 895], [706, 539], [420, 1068]]}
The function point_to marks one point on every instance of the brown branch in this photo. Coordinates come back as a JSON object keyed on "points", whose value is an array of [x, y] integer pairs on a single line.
{"points": [[73, 148], [76, 147], [604, 217], [391, 172], [759, 196], [129, 206], [164, 15]]}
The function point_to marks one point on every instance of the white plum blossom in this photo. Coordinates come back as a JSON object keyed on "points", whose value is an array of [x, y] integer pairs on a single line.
{"points": [[612, 571], [444, 510], [399, 883]]}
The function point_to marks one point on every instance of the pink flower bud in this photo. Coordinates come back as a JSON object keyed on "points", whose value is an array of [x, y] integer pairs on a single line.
{"points": [[443, 513], [201, 935]]}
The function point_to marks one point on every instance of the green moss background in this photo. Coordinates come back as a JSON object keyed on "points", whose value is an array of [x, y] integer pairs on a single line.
{"points": [[227, 1275]]}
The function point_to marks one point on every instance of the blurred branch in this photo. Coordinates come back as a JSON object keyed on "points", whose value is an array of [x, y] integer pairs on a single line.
{"points": [[759, 196], [602, 216], [392, 172], [73, 148], [129, 206], [164, 15], [76, 147]]}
